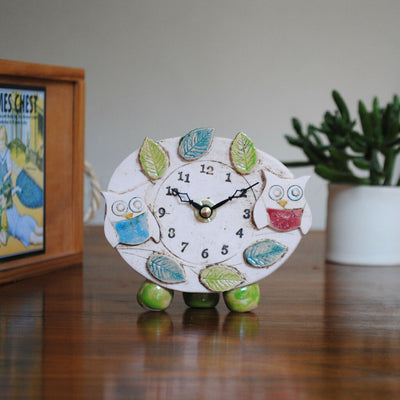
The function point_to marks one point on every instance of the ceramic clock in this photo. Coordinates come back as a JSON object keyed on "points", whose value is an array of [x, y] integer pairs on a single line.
{"points": [[204, 215]]}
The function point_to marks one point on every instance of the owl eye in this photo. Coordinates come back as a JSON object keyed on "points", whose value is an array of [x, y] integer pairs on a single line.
{"points": [[136, 204], [295, 193], [276, 192], [119, 208]]}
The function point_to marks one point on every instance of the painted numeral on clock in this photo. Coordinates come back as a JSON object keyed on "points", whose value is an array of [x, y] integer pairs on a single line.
{"points": [[170, 190], [224, 250], [184, 245], [161, 212], [204, 253], [246, 213], [239, 233], [228, 177], [207, 169], [183, 177], [171, 233]]}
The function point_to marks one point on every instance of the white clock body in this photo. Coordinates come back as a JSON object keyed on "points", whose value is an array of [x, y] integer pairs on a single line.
{"points": [[176, 238]]}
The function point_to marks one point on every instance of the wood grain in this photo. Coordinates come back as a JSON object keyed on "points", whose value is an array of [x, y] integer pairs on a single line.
{"points": [[322, 331]]}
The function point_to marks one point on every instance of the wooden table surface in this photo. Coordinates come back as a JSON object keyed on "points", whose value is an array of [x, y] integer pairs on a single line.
{"points": [[322, 331]]}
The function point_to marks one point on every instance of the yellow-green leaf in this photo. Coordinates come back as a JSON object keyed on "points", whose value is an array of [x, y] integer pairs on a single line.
{"points": [[220, 278], [152, 159], [243, 153]]}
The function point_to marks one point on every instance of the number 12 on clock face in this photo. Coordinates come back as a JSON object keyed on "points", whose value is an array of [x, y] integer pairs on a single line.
{"points": [[204, 212]]}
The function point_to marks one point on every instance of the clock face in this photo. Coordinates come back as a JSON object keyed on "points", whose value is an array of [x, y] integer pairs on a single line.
{"points": [[213, 238], [202, 213]]}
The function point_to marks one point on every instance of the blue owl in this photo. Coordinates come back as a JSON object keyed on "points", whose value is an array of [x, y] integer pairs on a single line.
{"points": [[128, 220]]}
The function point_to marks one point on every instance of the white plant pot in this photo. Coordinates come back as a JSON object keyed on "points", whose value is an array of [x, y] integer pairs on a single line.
{"points": [[363, 225]]}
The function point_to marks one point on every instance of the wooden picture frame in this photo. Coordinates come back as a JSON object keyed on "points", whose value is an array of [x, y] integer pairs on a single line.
{"points": [[64, 167]]}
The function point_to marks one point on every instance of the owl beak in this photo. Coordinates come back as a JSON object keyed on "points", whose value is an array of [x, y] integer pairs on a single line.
{"points": [[128, 215], [282, 203]]}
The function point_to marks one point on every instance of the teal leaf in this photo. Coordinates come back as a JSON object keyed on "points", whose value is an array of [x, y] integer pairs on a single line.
{"points": [[153, 159], [195, 144], [264, 253], [165, 269], [220, 278], [243, 153]]}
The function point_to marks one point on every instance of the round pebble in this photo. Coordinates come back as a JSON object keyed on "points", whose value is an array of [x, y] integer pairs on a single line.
{"points": [[154, 297], [243, 299], [201, 300]]}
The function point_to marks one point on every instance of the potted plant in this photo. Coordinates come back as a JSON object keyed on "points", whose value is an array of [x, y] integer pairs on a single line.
{"points": [[359, 161]]}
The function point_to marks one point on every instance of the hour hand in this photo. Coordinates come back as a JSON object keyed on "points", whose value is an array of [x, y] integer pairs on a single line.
{"points": [[184, 198], [238, 193]]}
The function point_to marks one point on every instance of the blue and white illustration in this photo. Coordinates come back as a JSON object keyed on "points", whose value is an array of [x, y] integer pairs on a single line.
{"points": [[22, 170]]}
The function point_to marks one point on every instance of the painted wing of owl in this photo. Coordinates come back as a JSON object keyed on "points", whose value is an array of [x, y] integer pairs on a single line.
{"points": [[110, 233], [306, 220], [260, 216], [154, 229]]}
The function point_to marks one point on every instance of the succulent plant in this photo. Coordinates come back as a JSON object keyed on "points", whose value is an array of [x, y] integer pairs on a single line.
{"points": [[341, 153]]}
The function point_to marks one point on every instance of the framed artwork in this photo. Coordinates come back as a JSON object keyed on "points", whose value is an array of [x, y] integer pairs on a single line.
{"points": [[41, 168], [22, 170]]}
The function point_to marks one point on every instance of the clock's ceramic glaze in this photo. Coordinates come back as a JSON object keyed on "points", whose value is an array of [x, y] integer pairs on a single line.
{"points": [[203, 213], [205, 240]]}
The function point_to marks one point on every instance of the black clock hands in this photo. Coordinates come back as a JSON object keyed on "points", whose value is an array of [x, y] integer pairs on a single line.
{"points": [[206, 210], [238, 193], [184, 198]]}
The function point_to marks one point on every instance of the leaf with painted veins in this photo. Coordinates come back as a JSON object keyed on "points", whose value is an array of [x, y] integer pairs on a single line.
{"points": [[265, 253], [152, 159], [165, 269], [243, 153], [195, 144], [220, 278]]}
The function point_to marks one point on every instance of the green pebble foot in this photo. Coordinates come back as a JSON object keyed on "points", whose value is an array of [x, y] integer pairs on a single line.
{"points": [[243, 299], [201, 300], [154, 297]]}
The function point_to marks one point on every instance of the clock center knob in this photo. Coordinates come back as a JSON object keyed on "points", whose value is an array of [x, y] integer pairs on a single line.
{"points": [[206, 212]]}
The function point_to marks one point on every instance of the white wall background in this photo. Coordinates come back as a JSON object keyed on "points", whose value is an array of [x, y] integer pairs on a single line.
{"points": [[159, 68]]}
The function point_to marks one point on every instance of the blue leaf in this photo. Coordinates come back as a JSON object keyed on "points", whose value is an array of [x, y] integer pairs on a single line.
{"points": [[264, 253], [165, 269], [196, 143]]}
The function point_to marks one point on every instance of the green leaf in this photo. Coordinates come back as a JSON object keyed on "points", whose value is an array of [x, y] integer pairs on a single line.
{"points": [[365, 120], [311, 134], [376, 121], [220, 278], [341, 105], [336, 176], [243, 154], [153, 159], [362, 163], [294, 141], [297, 127], [357, 142], [294, 164]]}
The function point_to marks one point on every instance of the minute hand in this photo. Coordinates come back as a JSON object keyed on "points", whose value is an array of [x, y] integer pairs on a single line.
{"points": [[238, 193]]}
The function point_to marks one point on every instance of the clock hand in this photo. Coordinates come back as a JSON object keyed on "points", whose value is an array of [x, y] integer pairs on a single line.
{"points": [[184, 198], [238, 193]]}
